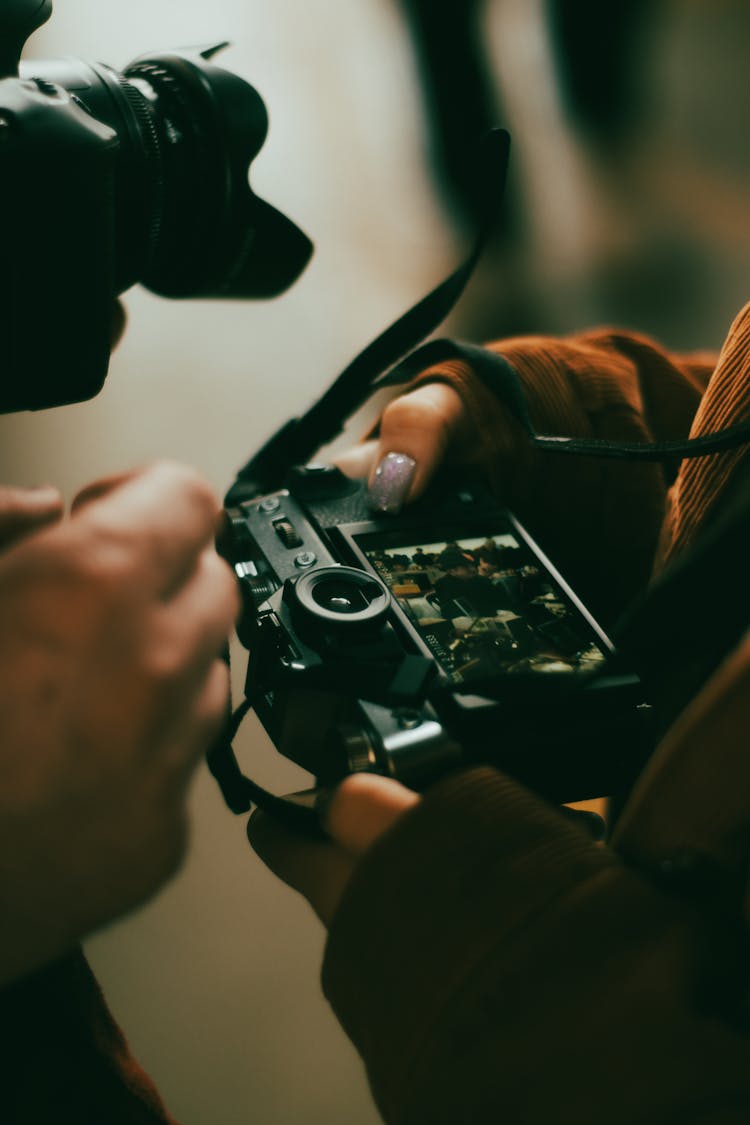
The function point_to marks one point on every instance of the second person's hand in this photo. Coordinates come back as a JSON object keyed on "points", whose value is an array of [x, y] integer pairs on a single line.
{"points": [[112, 625]]}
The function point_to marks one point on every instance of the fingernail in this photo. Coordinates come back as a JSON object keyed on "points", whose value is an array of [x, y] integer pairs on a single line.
{"points": [[391, 482]]}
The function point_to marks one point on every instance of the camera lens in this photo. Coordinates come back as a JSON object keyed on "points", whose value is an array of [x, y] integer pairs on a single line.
{"points": [[187, 222], [344, 597], [341, 596]]}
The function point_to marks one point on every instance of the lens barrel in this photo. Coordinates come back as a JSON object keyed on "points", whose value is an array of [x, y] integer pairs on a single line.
{"points": [[187, 222]]}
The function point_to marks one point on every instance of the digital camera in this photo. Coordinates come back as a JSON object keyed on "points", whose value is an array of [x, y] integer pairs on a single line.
{"points": [[110, 178], [413, 645]]}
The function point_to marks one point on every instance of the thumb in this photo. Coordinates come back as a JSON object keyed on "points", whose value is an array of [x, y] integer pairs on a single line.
{"points": [[417, 431], [362, 808]]}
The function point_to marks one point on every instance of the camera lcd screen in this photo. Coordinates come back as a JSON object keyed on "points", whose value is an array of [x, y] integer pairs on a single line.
{"points": [[486, 606]]}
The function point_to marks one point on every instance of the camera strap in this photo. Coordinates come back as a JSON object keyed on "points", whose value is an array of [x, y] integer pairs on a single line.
{"points": [[502, 379], [296, 810], [399, 354], [299, 439]]}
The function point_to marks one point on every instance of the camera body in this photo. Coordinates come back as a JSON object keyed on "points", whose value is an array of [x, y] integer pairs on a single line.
{"points": [[110, 178], [413, 645]]}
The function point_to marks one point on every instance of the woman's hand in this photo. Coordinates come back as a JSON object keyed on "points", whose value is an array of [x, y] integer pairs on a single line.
{"points": [[417, 432], [358, 812]]}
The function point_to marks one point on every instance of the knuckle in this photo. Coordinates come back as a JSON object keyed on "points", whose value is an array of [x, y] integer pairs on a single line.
{"points": [[165, 661], [417, 413], [403, 413], [190, 482], [108, 561], [94, 560]]}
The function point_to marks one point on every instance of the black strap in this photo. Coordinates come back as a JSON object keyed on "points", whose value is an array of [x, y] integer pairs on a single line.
{"points": [[296, 810], [380, 365], [300, 438], [499, 375]]}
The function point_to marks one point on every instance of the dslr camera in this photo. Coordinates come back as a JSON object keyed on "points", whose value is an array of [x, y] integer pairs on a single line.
{"points": [[415, 644], [109, 178]]}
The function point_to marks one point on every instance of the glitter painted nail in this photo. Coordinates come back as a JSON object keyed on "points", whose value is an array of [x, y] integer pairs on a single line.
{"points": [[391, 482]]}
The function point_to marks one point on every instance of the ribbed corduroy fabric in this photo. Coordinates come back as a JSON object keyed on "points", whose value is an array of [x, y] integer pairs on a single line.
{"points": [[702, 482], [491, 964], [598, 519]]}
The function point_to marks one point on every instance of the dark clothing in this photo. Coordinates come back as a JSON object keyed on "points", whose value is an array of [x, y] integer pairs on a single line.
{"points": [[63, 1060]]}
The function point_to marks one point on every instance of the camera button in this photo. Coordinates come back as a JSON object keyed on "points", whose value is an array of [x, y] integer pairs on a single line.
{"points": [[407, 719], [305, 559], [270, 504], [287, 532], [246, 569]]}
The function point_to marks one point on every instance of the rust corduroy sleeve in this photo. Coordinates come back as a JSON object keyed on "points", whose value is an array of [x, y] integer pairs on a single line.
{"points": [[491, 964], [598, 519]]}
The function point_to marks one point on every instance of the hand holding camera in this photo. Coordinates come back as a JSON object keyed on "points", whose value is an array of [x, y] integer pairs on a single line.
{"points": [[113, 623], [356, 815], [427, 426]]}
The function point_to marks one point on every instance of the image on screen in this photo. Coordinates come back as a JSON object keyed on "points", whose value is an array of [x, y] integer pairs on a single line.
{"points": [[484, 607]]}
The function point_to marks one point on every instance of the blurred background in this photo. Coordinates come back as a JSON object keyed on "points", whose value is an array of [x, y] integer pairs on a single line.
{"points": [[627, 203]]}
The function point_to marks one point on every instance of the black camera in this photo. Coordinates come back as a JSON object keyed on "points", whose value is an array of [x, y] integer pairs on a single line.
{"points": [[411, 646], [112, 178], [417, 644]]}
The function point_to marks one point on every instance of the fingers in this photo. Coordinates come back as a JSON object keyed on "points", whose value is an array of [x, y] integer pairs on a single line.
{"points": [[358, 462], [100, 488], [362, 808], [359, 811], [206, 607], [203, 717], [417, 432], [23, 510], [163, 516], [318, 870]]}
